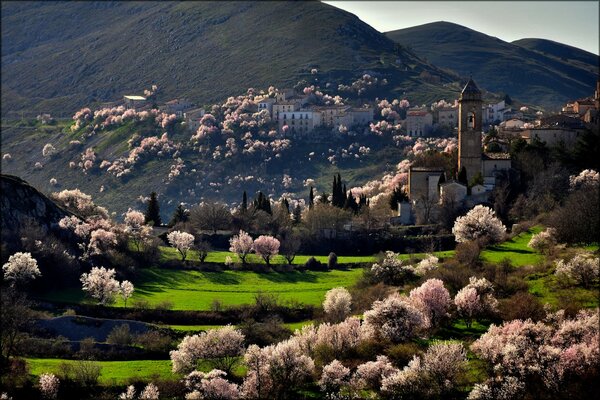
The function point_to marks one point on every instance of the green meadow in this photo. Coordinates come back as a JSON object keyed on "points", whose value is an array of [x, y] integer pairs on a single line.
{"points": [[197, 290], [111, 372], [515, 250]]}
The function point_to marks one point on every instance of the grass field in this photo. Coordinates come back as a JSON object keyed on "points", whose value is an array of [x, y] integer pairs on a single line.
{"points": [[111, 372], [196, 290], [515, 249], [548, 290], [169, 253]]}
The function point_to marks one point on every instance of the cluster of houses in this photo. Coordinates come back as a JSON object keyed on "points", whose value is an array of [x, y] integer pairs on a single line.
{"points": [[293, 113], [421, 121]]}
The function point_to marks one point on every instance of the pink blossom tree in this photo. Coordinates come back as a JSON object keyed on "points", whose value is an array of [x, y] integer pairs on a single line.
{"points": [[433, 299], [241, 245], [266, 247], [368, 376], [475, 300], [182, 241]]}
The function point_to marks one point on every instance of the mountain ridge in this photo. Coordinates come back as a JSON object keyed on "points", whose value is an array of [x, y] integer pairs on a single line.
{"points": [[516, 69], [202, 50]]}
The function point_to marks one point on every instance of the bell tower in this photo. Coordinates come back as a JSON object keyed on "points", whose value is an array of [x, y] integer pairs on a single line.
{"points": [[469, 130]]}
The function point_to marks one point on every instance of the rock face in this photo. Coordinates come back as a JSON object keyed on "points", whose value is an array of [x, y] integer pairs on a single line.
{"points": [[20, 202]]}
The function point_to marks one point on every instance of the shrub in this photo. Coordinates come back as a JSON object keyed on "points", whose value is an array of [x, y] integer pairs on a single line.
{"points": [[467, 253], [312, 264], [164, 305], [522, 305], [86, 372], [154, 341], [332, 261], [120, 335]]}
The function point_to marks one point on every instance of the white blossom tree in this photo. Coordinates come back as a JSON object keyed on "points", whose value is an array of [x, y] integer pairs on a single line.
{"points": [[150, 392], [20, 268], [583, 269], [100, 284], [334, 376], [543, 241], [395, 319], [391, 270], [479, 223], [126, 290], [337, 304], [139, 233], [210, 385], [129, 394], [241, 245], [182, 241], [222, 347], [49, 385]]}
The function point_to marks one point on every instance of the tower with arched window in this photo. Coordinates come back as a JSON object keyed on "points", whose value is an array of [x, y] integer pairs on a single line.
{"points": [[469, 130]]}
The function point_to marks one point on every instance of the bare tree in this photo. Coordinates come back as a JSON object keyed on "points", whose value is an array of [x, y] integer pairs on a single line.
{"points": [[210, 216], [289, 247], [15, 316]]}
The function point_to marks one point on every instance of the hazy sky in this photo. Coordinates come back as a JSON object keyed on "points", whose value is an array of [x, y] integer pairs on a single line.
{"points": [[571, 22]]}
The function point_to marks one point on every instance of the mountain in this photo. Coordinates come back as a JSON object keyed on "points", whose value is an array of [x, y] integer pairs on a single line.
{"points": [[558, 50], [61, 56], [533, 70]]}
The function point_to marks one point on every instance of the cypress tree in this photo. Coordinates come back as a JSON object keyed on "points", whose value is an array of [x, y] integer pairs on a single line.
{"points": [[350, 203], [334, 192], [285, 205], [244, 206], [153, 211], [297, 215], [341, 195], [462, 176], [311, 198], [398, 196], [179, 215]]}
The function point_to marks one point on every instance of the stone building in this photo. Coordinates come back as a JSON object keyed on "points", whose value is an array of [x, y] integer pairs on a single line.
{"points": [[470, 125]]}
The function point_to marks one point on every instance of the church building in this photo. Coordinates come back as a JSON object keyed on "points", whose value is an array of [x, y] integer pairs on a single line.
{"points": [[427, 186]]}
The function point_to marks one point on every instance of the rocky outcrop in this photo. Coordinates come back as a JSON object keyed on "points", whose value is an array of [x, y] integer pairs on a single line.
{"points": [[21, 202]]}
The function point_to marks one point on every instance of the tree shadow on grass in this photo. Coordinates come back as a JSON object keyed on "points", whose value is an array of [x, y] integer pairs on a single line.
{"points": [[221, 278], [290, 277]]}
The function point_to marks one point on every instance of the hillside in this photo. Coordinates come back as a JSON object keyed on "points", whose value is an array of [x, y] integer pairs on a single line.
{"points": [[532, 70], [206, 51], [558, 50]]}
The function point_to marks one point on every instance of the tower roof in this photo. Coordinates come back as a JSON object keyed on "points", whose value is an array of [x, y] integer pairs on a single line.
{"points": [[471, 88]]}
